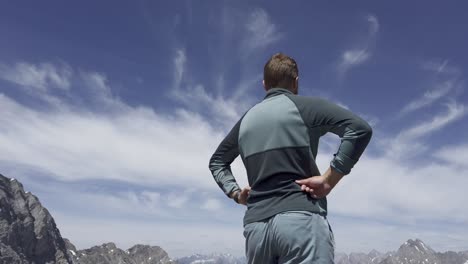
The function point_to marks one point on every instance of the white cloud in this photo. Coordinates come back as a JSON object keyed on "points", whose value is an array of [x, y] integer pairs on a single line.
{"points": [[212, 205], [441, 67], [454, 155], [382, 188], [41, 77], [373, 24], [179, 65], [224, 111], [136, 145], [408, 143], [449, 84], [454, 112], [429, 97], [356, 56], [261, 31]]}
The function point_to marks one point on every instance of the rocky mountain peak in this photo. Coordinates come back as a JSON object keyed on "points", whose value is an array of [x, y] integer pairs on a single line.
{"points": [[28, 232], [212, 259], [109, 253], [415, 246]]}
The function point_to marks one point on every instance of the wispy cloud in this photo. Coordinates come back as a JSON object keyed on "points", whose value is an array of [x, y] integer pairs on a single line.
{"points": [[408, 142], [373, 24], [441, 67], [224, 111], [256, 33], [179, 67], [455, 155], [261, 31], [116, 143], [39, 80], [41, 77], [449, 83], [356, 56], [429, 97], [403, 178]]}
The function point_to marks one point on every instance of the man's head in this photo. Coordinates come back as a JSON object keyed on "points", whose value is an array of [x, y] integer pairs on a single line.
{"points": [[281, 72]]}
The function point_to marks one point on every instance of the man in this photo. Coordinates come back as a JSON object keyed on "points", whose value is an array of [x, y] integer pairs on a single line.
{"points": [[277, 139]]}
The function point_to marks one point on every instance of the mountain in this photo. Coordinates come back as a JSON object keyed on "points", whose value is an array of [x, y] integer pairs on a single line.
{"points": [[415, 251], [374, 257], [109, 254], [212, 259], [411, 252], [28, 233]]}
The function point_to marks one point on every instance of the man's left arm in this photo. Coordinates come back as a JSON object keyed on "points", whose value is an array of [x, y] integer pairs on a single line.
{"points": [[220, 163]]}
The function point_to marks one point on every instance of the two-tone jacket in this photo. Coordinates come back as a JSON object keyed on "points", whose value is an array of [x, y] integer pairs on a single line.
{"points": [[277, 140]]}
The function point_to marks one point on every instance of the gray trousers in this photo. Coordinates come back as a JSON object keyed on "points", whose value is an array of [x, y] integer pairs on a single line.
{"points": [[295, 237]]}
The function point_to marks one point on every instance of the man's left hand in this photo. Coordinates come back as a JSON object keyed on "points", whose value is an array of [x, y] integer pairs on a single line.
{"points": [[242, 195]]}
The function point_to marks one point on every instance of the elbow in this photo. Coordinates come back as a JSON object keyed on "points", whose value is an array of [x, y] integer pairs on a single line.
{"points": [[211, 163], [363, 130], [368, 131], [215, 164]]}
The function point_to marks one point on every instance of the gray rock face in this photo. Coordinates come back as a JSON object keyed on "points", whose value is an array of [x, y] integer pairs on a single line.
{"points": [[149, 255], [411, 252], [416, 252], [212, 259], [28, 233], [374, 257], [109, 254]]}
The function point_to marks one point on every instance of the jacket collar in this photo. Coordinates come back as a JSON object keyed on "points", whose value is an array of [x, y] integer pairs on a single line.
{"points": [[276, 91]]}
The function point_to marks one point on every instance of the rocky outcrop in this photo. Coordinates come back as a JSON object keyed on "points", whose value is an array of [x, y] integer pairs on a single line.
{"points": [[28, 233], [146, 255], [110, 254], [411, 252], [416, 252], [212, 259], [374, 257]]}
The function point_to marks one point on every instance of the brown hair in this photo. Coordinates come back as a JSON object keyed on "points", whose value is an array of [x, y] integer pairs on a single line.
{"points": [[280, 71]]}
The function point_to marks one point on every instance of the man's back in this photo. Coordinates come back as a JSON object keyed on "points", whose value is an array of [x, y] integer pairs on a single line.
{"points": [[275, 146], [278, 140]]}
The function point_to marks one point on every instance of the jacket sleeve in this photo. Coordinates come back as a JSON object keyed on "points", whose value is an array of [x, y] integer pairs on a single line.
{"points": [[323, 116], [220, 162]]}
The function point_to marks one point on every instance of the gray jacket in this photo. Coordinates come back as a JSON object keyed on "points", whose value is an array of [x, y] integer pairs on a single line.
{"points": [[277, 140]]}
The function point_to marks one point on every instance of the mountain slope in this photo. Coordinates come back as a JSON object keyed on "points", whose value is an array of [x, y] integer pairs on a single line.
{"points": [[28, 232], [108, 253]]}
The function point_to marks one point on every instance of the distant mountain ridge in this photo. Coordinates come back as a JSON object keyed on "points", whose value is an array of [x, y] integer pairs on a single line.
{"points": [[108, 253], [212, 259], [28, 234]]}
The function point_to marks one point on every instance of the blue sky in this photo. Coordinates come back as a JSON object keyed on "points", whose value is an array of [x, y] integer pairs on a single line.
{"points": [[110, 112]]}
